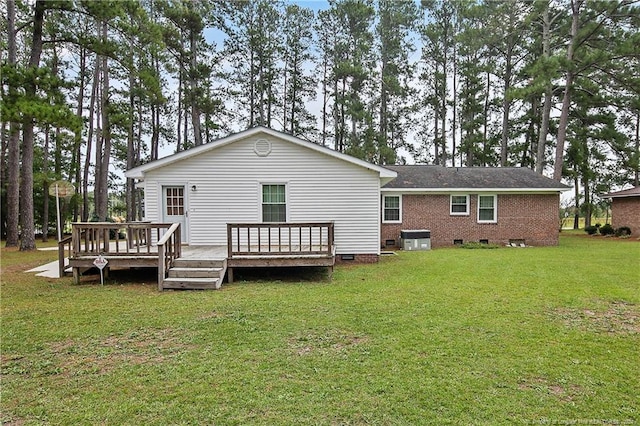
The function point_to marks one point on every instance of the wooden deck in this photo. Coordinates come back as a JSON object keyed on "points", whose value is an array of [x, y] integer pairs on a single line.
{"points": [[268, 245], [134, 245]]}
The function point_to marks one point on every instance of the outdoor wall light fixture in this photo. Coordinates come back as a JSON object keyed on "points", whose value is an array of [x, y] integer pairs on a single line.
{"points": [[194, 188]]}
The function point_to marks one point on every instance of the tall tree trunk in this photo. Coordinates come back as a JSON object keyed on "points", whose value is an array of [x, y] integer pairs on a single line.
{"points": [[566, 99], [102, 178], [180, 108], [87, 158], [77, 140], [155, 130], [548, 92], [45, 187], [27, 242], [506, 106], [636, 180], [455, 108], [576, 194], [485, 130], [252, 89], [130, 186], [587, 201], [13, 145], [325, 100], [444, 108], [155, 114], [527, 152], [195, 108]]}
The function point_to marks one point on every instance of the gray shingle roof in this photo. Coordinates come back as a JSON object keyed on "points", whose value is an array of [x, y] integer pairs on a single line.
{"points": [[437, 177], [631, 192]]}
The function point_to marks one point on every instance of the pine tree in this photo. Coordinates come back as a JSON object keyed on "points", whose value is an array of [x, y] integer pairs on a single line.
{"points": [[298, 85], [397, 20]]}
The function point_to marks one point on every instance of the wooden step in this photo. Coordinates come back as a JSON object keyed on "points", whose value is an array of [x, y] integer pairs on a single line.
{"points": [[198, 263], [182, 272], [191, 283]]}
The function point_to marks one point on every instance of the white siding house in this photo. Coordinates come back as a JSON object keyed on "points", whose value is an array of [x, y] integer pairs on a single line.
{"points": [[261, 175]]}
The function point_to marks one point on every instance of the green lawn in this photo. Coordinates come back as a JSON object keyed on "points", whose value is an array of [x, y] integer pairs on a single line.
{"points": [[451, 336]]}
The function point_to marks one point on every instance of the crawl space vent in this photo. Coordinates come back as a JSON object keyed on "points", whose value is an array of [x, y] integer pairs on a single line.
{"points": [[262, 147]]}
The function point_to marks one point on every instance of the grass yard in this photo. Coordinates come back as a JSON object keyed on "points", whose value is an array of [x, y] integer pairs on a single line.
{"points": [[451, 336]]}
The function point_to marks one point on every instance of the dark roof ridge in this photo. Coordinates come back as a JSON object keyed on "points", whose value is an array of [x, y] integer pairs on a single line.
{"points": [[432, 177]]}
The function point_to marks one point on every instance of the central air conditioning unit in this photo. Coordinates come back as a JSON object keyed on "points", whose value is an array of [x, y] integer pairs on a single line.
{"points": [[416, 239]]}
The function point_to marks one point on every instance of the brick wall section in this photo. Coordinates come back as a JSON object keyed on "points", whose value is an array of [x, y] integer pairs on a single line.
{"points": [[532, 217], [359, 258], [626, 212]]}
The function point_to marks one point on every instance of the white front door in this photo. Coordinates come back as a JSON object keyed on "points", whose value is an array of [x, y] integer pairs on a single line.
{"points": [[175, 208]]}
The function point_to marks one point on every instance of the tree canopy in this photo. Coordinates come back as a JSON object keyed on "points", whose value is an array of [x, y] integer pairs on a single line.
{"points": [[90, 89]]}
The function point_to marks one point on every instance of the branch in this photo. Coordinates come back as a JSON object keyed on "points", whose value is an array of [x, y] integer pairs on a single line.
{"points": [[21, 27]]}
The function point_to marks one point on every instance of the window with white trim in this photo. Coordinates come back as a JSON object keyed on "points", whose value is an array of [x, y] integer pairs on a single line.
{"points": [[459, 205], [391, 209], [274, 203], [487, 208]]}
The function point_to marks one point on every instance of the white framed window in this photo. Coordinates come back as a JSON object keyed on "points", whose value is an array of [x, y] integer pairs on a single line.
{"points": [[459, 205], [274, 203], [391, 209], [487, 208]]}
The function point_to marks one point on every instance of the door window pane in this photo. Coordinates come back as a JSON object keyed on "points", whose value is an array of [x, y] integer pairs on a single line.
{"points": [[174, 201]]}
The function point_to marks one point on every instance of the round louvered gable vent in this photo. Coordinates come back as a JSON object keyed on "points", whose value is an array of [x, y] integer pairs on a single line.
{"points": [[262, 147]]}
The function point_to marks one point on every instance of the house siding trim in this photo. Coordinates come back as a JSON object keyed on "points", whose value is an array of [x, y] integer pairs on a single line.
{"points": [[461, 191]]}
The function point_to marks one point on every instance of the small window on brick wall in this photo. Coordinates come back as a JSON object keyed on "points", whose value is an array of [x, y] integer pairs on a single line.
{"points": [[487, 208], [391, 209], [459, 205]]}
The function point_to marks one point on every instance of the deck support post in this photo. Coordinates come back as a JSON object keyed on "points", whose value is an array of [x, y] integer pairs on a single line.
{"points": [[230, 275], [76, 275]]}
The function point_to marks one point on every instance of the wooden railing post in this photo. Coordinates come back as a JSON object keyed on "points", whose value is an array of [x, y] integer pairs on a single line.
{"points": [[169, 248], [61, 255], [161, 271]]}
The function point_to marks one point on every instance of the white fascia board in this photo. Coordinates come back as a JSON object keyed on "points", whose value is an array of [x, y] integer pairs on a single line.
{"points": [[439, 191], [138, 172]]}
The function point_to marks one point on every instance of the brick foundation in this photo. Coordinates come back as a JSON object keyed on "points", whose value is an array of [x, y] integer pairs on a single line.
{"points": [[533, 218]]}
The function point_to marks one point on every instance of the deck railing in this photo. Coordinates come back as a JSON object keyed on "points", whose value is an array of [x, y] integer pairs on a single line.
{"points": [[116, 239], [65, 250], [278, 239], [169, 249]]}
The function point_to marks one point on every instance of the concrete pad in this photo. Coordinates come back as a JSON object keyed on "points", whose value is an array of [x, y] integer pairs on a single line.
{"points": [[49, 270]]}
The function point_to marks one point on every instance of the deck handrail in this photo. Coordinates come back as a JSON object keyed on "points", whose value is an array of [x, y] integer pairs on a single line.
{"points": [[115, 239], [169, 249], [276, 239], [65, 245]]}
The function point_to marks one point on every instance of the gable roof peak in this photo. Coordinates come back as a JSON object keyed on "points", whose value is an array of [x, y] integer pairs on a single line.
{"points": [[139, 171]]}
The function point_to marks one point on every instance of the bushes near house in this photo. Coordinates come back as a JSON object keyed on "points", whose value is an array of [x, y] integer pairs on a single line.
{"points": [[607, 229], [478, 245], [591, 230], [623, 231]]}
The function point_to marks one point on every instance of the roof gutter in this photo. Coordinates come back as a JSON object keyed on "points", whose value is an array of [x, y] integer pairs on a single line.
{"points": [[474, 190]]}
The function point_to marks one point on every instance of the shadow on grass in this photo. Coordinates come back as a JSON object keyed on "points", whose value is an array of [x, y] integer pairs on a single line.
{"points": [[121, 276], [127, 276], [284, 274]]}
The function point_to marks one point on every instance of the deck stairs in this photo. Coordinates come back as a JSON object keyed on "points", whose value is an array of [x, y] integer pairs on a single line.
{"points": [[195, 274]]}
